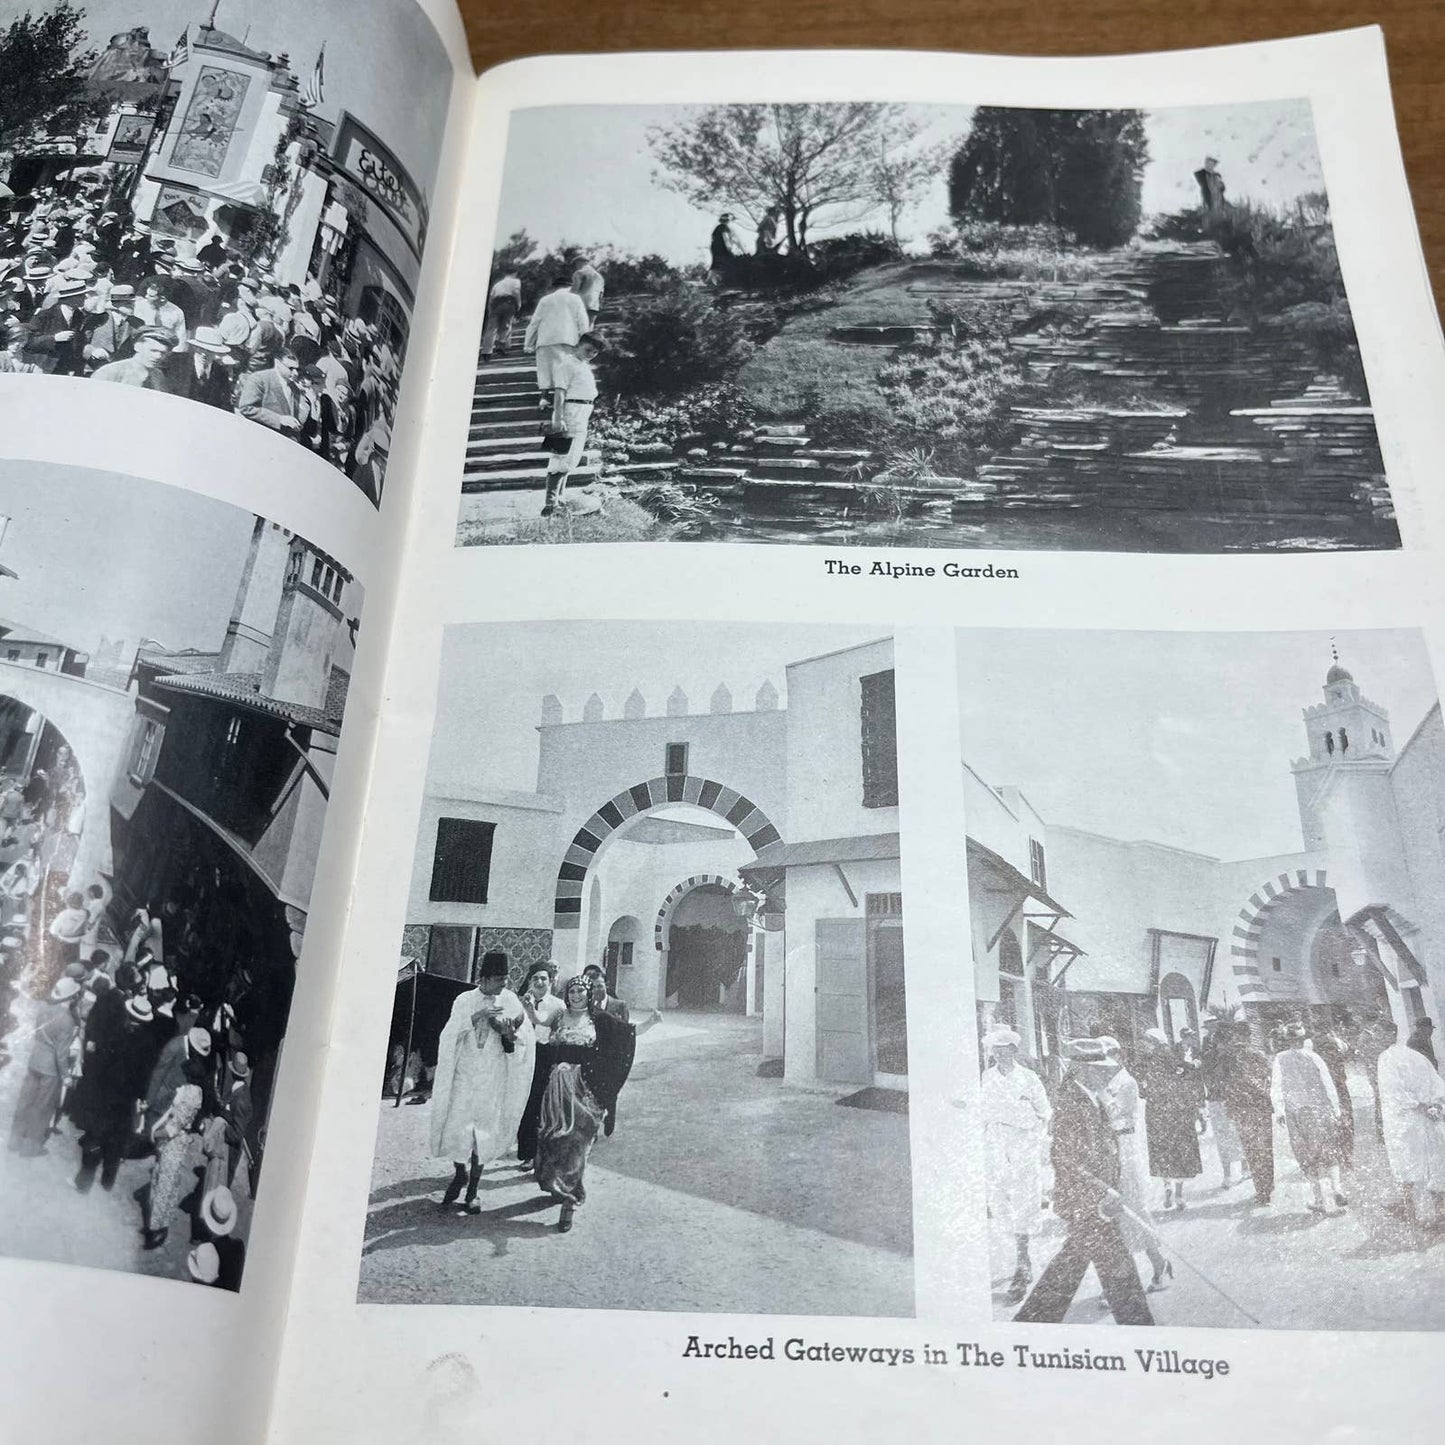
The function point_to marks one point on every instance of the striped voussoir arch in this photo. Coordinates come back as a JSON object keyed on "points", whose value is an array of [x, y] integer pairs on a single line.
{"points": [[698, 880], [732, 806], [1250, 925]]}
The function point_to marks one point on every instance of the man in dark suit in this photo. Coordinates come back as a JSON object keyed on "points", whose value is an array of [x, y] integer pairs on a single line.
{"points": [[601, 999], [58, 331], [1085, 1156]]}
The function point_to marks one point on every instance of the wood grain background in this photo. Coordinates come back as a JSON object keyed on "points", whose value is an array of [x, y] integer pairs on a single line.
{"points": [[1414, 34]]}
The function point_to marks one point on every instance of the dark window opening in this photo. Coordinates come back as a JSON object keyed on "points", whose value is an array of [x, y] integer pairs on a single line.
{"points": [[676, 760], [1275, 965], [879, 729], [462, 864], [1038, 868]]}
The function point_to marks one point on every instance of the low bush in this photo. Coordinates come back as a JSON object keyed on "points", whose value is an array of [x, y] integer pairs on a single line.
{"points": [[675, 344], [718, 411], [994, 251]]}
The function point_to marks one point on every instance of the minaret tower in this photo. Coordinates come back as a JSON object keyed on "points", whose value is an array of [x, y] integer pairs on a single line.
{"points": [[1345, 732]]}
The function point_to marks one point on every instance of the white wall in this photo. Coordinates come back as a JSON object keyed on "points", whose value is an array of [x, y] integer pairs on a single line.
{"points": [[525, 850], [825, 755]]}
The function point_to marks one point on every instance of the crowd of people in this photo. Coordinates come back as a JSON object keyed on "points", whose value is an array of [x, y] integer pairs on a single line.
{"points": [[87, 290], [533, 1074], [132, 1046], [1116, 1142]]}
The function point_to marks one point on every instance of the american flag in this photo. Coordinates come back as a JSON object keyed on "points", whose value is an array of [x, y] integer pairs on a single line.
{"points": [[314, 93]]}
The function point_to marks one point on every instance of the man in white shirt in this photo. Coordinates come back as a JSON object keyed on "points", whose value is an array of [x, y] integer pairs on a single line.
{"points": [[573, 378], [1412, 1109], [557, 325], [503, 304], [588, 284], [1016, 1116]]}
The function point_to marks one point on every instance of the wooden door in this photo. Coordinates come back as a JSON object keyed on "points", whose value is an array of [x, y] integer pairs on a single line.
{"points": [[841, 995]]}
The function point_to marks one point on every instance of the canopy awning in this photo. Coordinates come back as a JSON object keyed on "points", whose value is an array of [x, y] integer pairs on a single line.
{"points": [[1032, 903]]}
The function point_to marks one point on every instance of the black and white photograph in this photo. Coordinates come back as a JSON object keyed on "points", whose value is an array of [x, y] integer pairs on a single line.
{"points": [[223, 200], [921, 325], [169, 724], [649, 1039], [1208, 941]]}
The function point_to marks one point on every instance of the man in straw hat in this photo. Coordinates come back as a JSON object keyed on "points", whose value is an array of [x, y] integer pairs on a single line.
{"points": [[57, 331], [210, 376], [485, 1058], [47, 1068], [117, 1068], [1085, 1156], [1016, 1116], [216, 1221]]}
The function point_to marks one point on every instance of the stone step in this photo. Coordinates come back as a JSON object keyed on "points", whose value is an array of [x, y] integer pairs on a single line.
{"points": [[489, 427], [505, 413], [779, 431], [511, 391], [641, 469], [713, 474], [519, 478], [511, 441]]}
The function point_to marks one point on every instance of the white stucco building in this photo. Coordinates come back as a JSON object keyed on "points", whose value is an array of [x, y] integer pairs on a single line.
{"points": [[1071, 929], [733, 858]]}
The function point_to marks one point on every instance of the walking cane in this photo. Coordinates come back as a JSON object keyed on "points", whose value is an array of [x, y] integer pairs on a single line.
{"points": [[1148, 1226]]}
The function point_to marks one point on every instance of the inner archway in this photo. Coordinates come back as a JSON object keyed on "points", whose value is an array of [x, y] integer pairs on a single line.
{"points": [[707, 947], [617, 962], [42, 790]]}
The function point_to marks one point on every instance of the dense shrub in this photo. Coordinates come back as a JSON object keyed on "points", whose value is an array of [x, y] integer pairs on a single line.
{"points": [[992, 250], [624, 272], [678, 342], [1078, 170], [717, 411]]}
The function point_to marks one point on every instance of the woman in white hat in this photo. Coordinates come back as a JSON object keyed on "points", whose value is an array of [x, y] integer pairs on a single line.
{"points": [[174, 1134], [46, 1069], [1016, 1116]]}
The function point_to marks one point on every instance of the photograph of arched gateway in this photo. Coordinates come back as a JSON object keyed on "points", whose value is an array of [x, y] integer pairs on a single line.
{"points": [[168, 735], [704, 819], [921, 325], [1209, 950]]}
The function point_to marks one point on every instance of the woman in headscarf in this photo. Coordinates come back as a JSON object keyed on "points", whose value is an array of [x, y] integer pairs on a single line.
{"points": [[543, 1008], [1173, 1098], [1120, 1099], [592, 1057], [1306, 1102]]}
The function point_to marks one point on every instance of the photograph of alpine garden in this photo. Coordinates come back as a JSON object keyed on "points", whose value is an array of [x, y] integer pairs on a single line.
{"points": [[223, 200], [1208, 941], [649, 1039], [168, 734], [1111, 330]]}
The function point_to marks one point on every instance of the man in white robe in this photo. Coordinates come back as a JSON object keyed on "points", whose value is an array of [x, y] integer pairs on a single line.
{"points": [[1412, 1108], [1016, 1116], [484, 1068]]}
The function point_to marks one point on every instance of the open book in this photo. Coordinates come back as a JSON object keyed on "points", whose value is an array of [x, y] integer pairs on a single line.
{"points": [[712, 746]]}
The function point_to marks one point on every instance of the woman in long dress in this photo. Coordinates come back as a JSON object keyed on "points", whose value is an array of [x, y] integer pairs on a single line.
{"points": [[175, 1135], [1122, 1107], [543, 1008], [1173, 1098], [592, 1058]]}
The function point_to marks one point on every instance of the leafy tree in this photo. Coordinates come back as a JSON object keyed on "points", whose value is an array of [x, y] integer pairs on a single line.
{"points": [[43, 72], [901, 172], [1080, 171], [818, 163]]}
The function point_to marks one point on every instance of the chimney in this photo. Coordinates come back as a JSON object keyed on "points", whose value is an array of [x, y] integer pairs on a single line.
{"points": [[308, 622], [253, 617]]}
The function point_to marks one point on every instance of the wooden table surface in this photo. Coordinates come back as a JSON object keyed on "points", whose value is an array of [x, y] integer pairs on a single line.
{"points": [[1414, 34]]}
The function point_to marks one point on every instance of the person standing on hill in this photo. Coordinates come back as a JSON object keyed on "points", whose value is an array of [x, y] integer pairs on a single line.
{"points": [[574, 398], [725, 247], [558, 323], [587, 282]]}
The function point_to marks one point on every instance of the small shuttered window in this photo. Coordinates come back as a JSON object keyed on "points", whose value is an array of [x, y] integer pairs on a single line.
{"points": [[880, 741], [462, 864]]}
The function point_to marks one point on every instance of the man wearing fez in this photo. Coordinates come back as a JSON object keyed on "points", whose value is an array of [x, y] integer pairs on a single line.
{"points": [[483, 1075], [1085, 1156]]}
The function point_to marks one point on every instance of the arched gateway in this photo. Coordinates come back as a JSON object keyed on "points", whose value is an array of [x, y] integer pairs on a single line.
{"points": [[735, 808]]}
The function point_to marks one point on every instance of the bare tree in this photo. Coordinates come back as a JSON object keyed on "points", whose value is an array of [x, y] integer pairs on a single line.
{"points": [[817, 163], [901, 172]]}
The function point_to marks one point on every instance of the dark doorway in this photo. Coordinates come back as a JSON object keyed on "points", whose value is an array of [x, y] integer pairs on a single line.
{"points": [[706, 952]]}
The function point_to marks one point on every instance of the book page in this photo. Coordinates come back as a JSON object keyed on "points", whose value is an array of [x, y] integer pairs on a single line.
{"points": [[906, 828], [216, 317]]}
